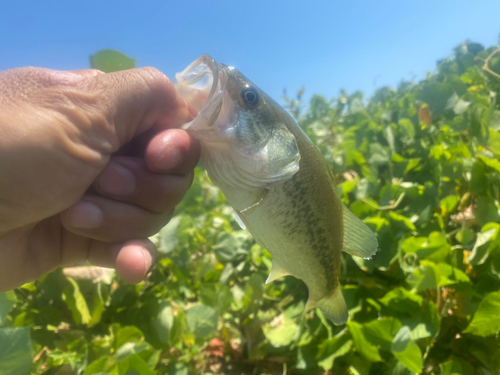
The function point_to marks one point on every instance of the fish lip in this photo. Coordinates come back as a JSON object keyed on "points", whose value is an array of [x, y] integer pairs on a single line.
{"points": [[209, 111], [214, 67]]}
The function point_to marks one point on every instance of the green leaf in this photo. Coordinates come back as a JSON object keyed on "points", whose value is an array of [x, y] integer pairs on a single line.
{"points": [[478, 181], [435, 248], [60, 357], [449, 204], [455, 367], [130, 348], [381, 332], [401, 340], [403, 220], [436, 95], [465, 235], [164, 322], [486, 211], [134, 365], [411, 357], [363, 346], [399, 299], [76, 302], [480, 251], [397, 368], [280, 331], [15, 350], [456, 104], [408, 127], [96, 305], [231, 245], [167, 237], [7, 301], [202, 321], [177, 369], [333, 348], [486, 320], [101, 366], [494, 146], [111, 61], [449, 275], [424, 277], [125, 335]]}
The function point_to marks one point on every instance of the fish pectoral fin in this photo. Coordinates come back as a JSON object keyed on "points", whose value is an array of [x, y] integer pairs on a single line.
{"points": [[239, 220], [359, 240], [333, 306], [277, 271]]}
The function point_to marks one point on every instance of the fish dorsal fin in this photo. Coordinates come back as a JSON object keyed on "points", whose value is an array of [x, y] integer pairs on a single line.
{"points": [[277, 271], [333, 306], [359, 240]]}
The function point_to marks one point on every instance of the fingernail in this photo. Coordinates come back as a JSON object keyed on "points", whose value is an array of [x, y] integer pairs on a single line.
{"points": [[85, 215], [148, 260], [116, 180], [170, 158]]}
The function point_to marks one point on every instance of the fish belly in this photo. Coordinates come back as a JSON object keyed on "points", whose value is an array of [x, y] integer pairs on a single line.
{"points": [[297, 225]]}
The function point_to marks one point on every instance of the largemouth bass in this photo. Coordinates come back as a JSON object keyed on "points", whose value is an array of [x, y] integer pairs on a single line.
{"points": [[277, 181]]}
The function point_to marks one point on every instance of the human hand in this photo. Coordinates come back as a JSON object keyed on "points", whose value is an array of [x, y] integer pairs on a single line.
{"points": [[91, 164]]}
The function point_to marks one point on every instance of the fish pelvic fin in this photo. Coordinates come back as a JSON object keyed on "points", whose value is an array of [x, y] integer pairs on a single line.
{"points": [[333, 306], [359, 240], [277, 271]]}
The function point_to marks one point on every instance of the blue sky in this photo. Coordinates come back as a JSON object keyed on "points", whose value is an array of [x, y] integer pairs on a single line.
{"points": [[323, 45]]}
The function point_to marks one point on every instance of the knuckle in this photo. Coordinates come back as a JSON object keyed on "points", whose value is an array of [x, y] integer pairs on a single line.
{"points": [[151, 74], [159, 84], [94, 72]]}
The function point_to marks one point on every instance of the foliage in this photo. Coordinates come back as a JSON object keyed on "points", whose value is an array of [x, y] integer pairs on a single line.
{"points": [[420, 165]]}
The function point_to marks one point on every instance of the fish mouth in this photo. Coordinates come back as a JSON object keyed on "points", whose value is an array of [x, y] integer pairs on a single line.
{"points": [[203, 84]]}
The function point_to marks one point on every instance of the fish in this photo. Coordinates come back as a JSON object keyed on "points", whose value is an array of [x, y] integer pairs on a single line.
{"points": [[277, 181]]}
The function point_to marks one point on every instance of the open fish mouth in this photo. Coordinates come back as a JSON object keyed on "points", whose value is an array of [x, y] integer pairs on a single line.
{"points": [[203, 85]]}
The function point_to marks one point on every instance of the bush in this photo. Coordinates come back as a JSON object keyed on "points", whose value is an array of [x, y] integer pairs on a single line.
{"points": [[420, 165]]}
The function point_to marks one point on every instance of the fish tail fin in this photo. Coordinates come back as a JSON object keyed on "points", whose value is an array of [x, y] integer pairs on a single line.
{"points": [[333, 306]]}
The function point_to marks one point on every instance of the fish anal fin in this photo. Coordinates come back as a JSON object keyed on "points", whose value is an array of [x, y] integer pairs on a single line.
{"points": [[277, 271], [333, 306], [359, 240]]}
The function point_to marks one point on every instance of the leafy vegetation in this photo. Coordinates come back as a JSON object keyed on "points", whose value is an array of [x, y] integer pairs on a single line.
{"points": [[420, 165]]}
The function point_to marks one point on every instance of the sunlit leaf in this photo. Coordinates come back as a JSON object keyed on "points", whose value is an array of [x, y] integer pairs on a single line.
{"points": [[486, 320], [280, 331], [111, 61], [76, 302], [364, 347], [15, 350]]}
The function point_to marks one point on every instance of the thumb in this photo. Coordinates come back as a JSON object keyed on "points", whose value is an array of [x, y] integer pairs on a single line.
{"points": [[133, 101]]}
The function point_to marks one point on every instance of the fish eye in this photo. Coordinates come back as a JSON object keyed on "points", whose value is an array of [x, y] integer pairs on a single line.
{"points": [[250, 97]]}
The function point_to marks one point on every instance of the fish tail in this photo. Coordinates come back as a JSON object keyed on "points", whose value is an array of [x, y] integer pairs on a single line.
{"points": [[333, 306]]}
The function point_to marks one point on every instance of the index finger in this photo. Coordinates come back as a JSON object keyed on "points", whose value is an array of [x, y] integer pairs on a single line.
{"points": [[135, 100], [114, 107]]}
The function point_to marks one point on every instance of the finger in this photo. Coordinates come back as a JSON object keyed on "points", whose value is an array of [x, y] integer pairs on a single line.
{"points": [[135, 100], [132, 260], [87, 72], [107, 220], [173, 151], [127, 179]]}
